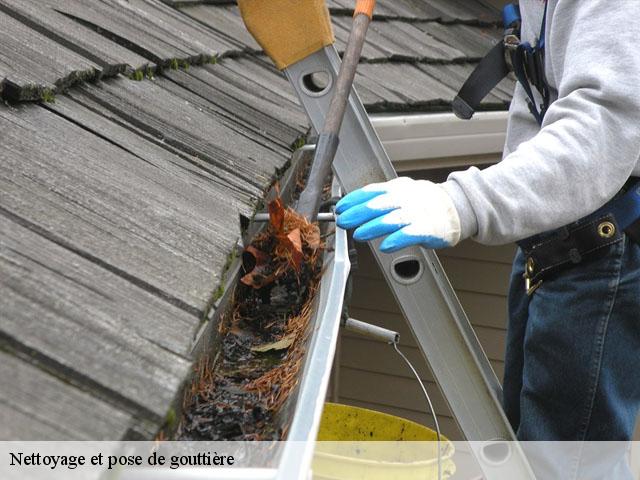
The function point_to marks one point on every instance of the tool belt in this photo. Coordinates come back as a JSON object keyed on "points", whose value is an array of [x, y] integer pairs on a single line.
{"points": [[551, 252]]}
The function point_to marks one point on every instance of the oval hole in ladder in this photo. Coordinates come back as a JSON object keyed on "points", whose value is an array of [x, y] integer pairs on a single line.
{"points": [[316, 83], [496, 453], [407, 269]]}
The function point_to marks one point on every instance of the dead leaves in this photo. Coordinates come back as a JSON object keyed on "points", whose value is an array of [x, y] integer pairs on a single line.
{"points": [[276, 385], [293, 245], [259, 268], [289, 242], [296, 241], [282, 344], [276, 215], [312, 237], [264, 339]]}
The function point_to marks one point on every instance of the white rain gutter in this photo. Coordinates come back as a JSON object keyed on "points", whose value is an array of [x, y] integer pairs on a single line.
{"points": [[293, 458], [441, 140]]}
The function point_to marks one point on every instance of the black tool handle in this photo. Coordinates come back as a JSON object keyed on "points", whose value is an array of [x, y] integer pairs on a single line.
{"points": [[328, 140]]}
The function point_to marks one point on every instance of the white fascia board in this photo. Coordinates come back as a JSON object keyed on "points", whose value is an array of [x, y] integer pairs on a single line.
{"points": [[415, 139]]}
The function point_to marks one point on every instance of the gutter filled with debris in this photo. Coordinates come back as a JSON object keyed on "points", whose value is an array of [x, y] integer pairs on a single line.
{"points": [[263, 336], [276, 342]]}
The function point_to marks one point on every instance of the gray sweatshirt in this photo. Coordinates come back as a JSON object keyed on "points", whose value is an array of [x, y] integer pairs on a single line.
{"points": [[589, 144]]}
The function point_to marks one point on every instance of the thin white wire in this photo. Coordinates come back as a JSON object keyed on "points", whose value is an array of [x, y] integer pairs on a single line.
{"points": [[426, 395]]}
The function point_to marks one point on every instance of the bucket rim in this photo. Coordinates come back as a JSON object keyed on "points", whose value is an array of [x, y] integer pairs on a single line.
{"points": [[446, 446]]}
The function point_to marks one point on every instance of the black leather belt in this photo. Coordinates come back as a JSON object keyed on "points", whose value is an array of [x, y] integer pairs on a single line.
{"points": [[566, 247], [551, 252]]}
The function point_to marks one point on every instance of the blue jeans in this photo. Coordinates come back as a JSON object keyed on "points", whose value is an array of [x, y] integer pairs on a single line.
{"points": [[572, 366]]}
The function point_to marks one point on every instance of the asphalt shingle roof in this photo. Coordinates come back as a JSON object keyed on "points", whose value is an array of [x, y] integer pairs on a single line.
{"points": [[120, 199]]}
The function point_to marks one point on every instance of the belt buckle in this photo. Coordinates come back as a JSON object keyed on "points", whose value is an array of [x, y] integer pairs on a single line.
{"points": [[511, 42], [529, 268]]}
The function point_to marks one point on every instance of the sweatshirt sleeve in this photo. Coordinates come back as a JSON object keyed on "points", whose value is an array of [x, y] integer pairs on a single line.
{"points": [[589, 143]]}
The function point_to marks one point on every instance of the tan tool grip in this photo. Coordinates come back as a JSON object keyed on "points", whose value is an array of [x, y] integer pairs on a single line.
{"points": [[366, 7], [288, 30]]}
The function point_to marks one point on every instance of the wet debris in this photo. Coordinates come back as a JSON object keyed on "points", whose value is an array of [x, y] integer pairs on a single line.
{"points": [[238, 395]]}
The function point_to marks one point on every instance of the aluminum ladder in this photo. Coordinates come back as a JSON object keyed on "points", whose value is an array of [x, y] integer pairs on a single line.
{"points": [[419, 284]]}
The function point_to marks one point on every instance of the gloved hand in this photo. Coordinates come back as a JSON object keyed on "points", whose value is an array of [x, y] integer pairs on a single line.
{"points": [[410, 212]]}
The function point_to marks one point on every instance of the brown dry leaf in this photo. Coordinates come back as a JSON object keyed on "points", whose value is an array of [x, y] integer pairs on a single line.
{"points": [[295, 247], [276, 215], [312, 237], [283, 343], [238, 332], [292, 231], [258, 277], [260, 274]]}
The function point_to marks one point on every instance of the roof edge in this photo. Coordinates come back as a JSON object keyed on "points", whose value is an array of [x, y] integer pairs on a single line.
{"points": [[427, 141]]}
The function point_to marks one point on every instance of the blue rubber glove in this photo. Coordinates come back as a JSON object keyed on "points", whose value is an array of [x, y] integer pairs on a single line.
{"points": [[406, 211]]}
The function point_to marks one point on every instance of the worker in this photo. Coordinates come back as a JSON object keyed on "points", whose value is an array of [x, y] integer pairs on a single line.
{"points": [[565, 192]]}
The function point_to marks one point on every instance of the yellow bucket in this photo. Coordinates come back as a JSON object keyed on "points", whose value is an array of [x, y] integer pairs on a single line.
{"points": [[377, 458]]}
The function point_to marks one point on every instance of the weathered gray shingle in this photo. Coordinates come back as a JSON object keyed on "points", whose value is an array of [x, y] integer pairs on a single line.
{"points": [[224, 20], [40, 406], [31, 63], [86, 326], [111, 57], [51, 44], [448, 11], [403, 35]]}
